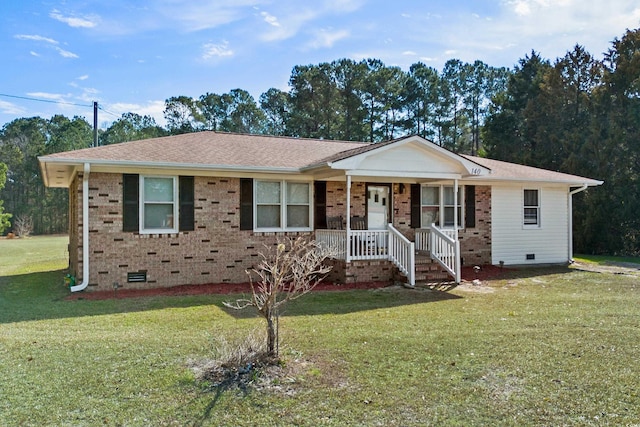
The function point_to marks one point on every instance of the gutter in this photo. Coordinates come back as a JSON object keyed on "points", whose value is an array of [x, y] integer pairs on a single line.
{"points": [[570, 202], [85, 232]]}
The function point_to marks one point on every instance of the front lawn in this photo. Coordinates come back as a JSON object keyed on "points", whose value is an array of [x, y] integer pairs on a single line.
{"points": [[555, 346]]}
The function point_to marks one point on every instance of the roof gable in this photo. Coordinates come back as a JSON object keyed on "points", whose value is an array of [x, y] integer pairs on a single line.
{"points": [[413, 156]]}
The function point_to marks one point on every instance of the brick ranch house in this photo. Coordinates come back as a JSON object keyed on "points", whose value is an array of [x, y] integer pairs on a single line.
{"points": [[198, 208]]}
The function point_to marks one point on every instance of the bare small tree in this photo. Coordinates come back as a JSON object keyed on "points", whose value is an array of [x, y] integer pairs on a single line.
{"points": [[288, 271], [23, 226]]}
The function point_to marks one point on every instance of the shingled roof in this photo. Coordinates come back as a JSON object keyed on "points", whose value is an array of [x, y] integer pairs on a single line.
{"points": [[214, 149], [505, 171], [242, 152]]}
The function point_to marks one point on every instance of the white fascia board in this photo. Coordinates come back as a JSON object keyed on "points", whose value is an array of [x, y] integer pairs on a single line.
{"points": [[488, 180], [400, 174], [159, 165], [469, 165]]}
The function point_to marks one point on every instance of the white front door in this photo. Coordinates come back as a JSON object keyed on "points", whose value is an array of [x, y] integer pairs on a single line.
{"points": [[378, 203]]}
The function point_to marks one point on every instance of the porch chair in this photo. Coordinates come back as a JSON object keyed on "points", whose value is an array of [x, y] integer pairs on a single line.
{"points": [[335, 223], [366, 244]]}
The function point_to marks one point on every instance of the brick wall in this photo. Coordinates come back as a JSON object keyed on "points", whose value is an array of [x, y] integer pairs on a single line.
{"points": [[216, 252], [475, 243]]}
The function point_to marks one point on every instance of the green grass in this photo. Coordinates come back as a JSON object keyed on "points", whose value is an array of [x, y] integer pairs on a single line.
{"points": [[551, 346], [604, 259]]}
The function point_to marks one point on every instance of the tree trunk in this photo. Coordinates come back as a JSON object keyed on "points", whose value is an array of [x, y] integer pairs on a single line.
{"points": [[272, 337]]}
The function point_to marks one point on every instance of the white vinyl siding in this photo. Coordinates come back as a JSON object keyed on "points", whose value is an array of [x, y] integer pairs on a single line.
{"points": [[511, 241]]}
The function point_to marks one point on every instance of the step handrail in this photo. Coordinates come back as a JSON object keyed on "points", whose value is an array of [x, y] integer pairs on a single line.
{"points": [[402, 253], [446, 251]]}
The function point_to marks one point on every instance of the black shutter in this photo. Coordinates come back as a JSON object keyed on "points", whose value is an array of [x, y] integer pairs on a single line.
{"points": [[246, 204], [320, 204], [470, 206], [415, 206], [130, 202], [186, 197]]}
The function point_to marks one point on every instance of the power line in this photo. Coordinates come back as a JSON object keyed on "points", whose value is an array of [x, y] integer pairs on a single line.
{"points": [[108, 112], [44, 100]]}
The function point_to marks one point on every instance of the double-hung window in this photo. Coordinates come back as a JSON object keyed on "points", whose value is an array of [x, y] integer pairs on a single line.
{"points": [[282, 205], [159, 204], [531, 208], [438, 206]]}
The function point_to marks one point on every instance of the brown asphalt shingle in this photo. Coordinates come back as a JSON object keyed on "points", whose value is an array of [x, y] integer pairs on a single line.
{"points": [[216, 149], [228, 150]]}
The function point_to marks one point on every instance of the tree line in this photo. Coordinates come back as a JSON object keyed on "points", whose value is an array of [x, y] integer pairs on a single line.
{"points": [[578, 114]]}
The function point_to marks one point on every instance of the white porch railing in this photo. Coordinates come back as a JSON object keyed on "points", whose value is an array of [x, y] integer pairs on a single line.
{"points": [[335, 240], [445, 249], [422, 239], [368, 244], [391, 245], [402, 253], [360, 245]]}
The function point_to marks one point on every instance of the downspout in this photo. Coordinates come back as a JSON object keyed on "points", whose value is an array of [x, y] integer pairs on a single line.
{"points": [[571, 193], [455, 234], [348, 213], [85, 232]]}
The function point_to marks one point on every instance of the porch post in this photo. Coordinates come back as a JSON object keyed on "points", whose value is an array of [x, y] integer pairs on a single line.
{"points": [[348, 256], [455, 229]]}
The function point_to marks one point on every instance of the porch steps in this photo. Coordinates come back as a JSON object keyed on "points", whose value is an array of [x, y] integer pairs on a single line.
{"points": [[427, 270]]}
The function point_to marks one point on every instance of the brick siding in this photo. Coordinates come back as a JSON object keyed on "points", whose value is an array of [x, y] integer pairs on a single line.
{"points": [[475, 243], [217, 251]]}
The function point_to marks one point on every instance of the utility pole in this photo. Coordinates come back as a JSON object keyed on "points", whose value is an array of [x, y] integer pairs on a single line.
{"points": [[95, 123]]}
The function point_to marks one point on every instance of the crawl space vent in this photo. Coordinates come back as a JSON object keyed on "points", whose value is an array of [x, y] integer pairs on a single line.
{"points": [[137, 277], [531, 256]]}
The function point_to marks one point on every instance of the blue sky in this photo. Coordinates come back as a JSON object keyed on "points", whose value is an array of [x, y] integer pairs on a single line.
{"points": [[132, 55]]}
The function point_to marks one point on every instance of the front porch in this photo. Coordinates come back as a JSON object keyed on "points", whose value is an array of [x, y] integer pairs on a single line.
{"points": [[390, 245], [400, 198]]}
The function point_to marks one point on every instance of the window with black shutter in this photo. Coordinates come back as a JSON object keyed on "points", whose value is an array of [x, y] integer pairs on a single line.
{"points": [[131, 202], [246, 204], [186, 209], [320, 204], [470, 206], [415, 206]]}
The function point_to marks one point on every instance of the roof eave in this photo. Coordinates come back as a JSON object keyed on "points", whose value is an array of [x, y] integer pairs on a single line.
{"points": [[588, 182]]}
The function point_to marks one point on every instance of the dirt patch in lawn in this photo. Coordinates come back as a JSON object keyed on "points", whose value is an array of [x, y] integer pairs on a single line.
{"points": [[468, 274], [625, 268]]}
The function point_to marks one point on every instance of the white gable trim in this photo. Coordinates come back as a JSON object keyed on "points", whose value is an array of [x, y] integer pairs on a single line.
{"points": [[356, 162]]}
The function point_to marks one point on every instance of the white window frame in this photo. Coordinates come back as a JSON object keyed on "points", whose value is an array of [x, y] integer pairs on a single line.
{"points": [[283, 203], [441, 207], [538, 207], [143, 203]]}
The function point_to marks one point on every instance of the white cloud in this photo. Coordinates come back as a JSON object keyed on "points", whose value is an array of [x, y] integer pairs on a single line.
{"points": [[35, 38], [10, 108], [409, 53], [36, 54], [196, 16], [216, 50], [66, 53], [75, 21], [83, 77], [154, 109], [270, 19], [58, 97], [327, 38]]}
